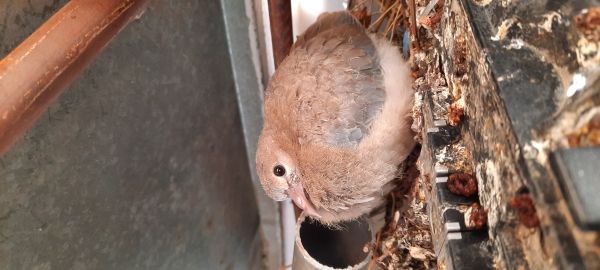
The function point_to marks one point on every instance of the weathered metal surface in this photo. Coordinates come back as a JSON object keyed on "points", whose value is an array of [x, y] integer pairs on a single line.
{"points": [[468, 79], [509, 64], [35, 73], [141, 163], [466, 251], [242, 26], [456, 246], [578, 174]]}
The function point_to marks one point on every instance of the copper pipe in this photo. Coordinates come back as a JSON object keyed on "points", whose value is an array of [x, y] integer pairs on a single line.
{"points": [[39, 69], [280, 18]]}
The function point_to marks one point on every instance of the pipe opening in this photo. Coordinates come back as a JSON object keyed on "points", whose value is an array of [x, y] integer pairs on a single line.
{"points": [[336, 248]]}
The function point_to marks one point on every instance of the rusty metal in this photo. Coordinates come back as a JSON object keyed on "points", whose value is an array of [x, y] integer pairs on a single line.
{"points": [[280, 18], [40, 68]]}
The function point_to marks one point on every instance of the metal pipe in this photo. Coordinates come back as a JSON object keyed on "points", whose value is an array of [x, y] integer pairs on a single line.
{"points": [[322, 247], [34, 74], [288, 224], [280, 18]]}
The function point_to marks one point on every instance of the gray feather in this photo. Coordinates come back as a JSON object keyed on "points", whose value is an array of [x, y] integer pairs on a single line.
{"points": [[339, 86]]}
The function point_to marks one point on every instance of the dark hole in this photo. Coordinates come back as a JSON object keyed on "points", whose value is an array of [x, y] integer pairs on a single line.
{"points": [[337, 248], [523, 190]]}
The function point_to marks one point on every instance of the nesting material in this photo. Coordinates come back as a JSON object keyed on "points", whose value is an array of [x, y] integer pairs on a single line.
{"points": [[405, 242]]}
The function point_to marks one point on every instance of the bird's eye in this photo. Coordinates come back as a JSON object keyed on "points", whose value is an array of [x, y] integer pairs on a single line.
{"points": [[279, 171]]}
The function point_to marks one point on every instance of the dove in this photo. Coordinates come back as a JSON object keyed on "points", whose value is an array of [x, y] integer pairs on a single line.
{"points": [[337, 116]]}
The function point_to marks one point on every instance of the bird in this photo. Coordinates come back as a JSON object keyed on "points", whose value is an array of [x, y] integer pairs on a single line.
{"points": [[337, 116]]}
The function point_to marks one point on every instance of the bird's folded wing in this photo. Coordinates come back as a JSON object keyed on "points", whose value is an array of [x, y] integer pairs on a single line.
{"points": [[330, 85]]}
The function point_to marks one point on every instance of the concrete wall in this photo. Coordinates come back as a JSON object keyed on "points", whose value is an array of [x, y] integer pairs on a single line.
{"points": [[141, 164]]}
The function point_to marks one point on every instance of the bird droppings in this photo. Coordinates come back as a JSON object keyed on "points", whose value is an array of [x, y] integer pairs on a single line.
{"points": [[455, 157], [504, 28], [462, 184], [482, 2], [526, 211], [476, 217]]}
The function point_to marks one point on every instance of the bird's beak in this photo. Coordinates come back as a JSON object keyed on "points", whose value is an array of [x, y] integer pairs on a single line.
{"points": [[296, 192]]}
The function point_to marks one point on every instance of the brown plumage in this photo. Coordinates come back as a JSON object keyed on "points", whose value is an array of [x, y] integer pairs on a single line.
{"points": [[337, 121]]}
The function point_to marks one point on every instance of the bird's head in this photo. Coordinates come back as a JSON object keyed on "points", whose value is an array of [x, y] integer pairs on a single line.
{"points": [[279, 174]]}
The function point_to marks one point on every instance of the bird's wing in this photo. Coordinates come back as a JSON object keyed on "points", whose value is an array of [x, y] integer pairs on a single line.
{"points": [[330, 87]]}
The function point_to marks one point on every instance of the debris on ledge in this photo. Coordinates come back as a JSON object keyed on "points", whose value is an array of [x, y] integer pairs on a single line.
{"points": [[506, 110]]}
